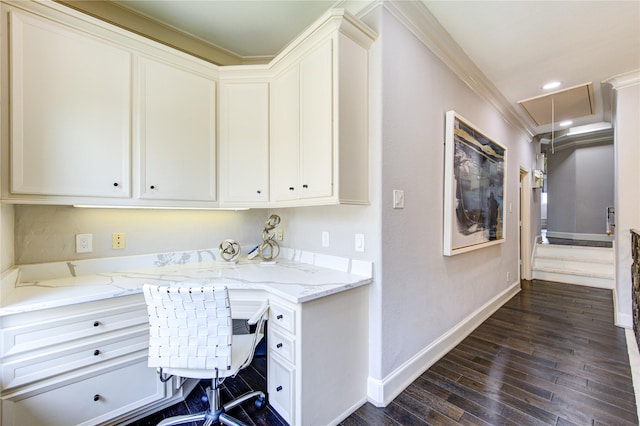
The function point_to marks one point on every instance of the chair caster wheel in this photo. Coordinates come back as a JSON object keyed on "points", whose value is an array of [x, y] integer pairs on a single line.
{"points": [[259, 403]]}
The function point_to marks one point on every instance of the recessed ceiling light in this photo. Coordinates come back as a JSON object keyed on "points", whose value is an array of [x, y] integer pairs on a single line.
{"points": [[552, 85], [565, 123]]}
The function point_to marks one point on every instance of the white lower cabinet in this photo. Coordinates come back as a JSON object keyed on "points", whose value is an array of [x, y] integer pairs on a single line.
{"points": [[91, 401], [318, 357], [82, 364], [281, 387]]}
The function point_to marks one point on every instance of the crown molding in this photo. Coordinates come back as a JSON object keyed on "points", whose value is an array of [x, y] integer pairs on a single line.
{"points": [[417, 18], [622, 81], [143, 25]]}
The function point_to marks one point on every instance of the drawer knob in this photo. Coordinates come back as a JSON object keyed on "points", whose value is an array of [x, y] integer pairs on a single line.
{"points": [[305, 186], [279, 316], [152, 187], [96, 397], [279, 388], [279, 345], [291, 188], [96, 323], [115, 184], [96, 352]]}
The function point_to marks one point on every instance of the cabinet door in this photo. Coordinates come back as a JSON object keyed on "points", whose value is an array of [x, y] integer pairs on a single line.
{"points": [[70, 112], [244, 141], [177, 133], [284, 154], [316, 123]]}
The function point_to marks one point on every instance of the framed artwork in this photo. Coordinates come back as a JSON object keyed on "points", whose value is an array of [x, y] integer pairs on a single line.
{"points": [[474, 191]]}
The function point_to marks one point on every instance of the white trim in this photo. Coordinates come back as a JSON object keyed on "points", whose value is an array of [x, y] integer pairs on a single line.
{"points": [[524, 219], [417, 18], [624, 80], [579, 236], [634, 362], [624, 320], [381, 392]]}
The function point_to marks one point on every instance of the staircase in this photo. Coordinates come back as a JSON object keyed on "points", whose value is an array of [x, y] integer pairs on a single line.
{"points": [[588, 266]]}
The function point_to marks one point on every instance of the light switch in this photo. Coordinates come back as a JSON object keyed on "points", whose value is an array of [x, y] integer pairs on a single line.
{"points": [[360, 242], [398, 199]]}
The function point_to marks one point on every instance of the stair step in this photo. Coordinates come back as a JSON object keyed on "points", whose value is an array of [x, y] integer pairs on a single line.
{"points": [[589, 266], [570, 278]]}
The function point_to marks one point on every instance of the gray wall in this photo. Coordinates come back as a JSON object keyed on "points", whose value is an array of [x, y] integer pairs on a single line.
{"points": [[580, 188]]}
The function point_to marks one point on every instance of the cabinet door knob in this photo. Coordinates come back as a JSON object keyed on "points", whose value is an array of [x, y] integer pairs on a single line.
{"points": [[291, 188], [305, 186], [96, 323], [96, 397], [279, 316], [279, 345], [279, 388], [152, 187], [96, 352], [259, 192], [115, 184]]}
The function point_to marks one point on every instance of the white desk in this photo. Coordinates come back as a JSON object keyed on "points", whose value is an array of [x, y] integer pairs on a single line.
{"points": [[318, 335]]}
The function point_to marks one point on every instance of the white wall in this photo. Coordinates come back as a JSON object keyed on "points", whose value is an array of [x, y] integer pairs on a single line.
{"points": [[627, 189], [47, 233]]}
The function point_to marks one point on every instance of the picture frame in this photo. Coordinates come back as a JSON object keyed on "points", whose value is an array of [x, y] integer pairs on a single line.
{"points": [[474, 187]]}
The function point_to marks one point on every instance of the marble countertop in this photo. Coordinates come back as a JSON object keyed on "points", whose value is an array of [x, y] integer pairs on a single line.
{"points": [[295, 276]]}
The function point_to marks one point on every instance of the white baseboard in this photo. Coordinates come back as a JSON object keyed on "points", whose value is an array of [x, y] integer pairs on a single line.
{"points": [[577, 236], [381, 392], [624, 320], [634, 361]]}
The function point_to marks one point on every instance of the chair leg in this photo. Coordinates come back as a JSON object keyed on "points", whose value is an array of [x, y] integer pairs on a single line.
{"points": [[176, 420], [226, 419], [242, 398]]}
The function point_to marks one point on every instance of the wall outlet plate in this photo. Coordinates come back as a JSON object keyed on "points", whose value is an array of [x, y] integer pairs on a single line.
{"points": [[117, 240], [84, 243]]}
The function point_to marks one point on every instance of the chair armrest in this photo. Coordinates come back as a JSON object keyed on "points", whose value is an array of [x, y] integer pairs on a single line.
{"points": [[260, 313]]}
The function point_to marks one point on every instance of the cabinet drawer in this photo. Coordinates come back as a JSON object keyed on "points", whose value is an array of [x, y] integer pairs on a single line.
{"points": [[281, 384], [87, 402], [282, 345], [42, 334], [53, 364], [282, 316]]}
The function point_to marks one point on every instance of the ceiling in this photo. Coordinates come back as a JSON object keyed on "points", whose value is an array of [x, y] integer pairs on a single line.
{"points": [[518, 45]]}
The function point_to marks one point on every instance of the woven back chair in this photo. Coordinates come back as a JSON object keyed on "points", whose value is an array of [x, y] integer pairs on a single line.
{"points": [[191, 336]]}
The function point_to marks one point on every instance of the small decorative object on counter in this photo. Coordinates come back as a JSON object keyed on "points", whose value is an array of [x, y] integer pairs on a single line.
{"points": [[269, 248], [229, 250]]}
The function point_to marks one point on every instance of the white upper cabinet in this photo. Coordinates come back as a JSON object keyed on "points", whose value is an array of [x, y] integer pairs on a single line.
{"points": [[319, 116], [285, 135], [70, 111], [177, 144], [93, 114], [244, 143]]}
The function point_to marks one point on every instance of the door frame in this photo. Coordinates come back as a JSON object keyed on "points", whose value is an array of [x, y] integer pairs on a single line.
{"points": [[524, 225]]}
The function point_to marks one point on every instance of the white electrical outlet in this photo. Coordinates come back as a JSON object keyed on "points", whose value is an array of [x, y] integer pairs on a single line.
{"points": [[84, 243], [325, 239]]}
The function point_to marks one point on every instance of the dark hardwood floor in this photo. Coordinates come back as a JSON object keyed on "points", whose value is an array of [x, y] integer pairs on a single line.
{"points": [[549, 356]]}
